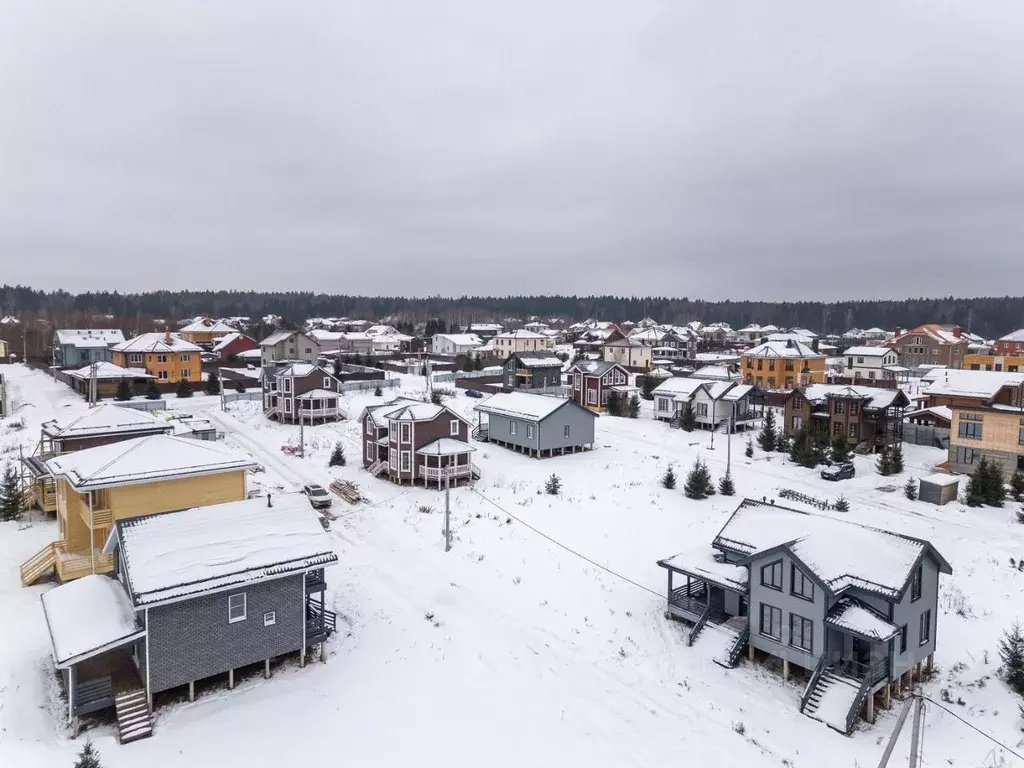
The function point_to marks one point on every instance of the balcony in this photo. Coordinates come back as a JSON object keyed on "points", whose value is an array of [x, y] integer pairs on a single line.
{"points": [[96, 518], [74, 565], [319, 413], [439, 473]]}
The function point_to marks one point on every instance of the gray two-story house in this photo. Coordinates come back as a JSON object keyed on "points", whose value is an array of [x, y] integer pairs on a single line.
{"points": [[537, 425], [292, 346], [197, 593], [534, 372], [75, 347], [850, 608]]}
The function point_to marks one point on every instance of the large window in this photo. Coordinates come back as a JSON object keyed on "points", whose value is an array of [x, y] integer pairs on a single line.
{"points": [[926, 627], [771, 575], [915, 584], [236, 607], [801, 632], [186, 373], [369, 451], [406, 461], [591, 397], [798, 423], [970, 426], [185, 358], [771, 621], [799, 585], [965, 455], [798, 401]]}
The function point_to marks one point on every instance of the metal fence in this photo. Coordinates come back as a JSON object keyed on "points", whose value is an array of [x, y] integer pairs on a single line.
{"points": [[142, 405], [359, 386], [234, 397], [919, 434]]}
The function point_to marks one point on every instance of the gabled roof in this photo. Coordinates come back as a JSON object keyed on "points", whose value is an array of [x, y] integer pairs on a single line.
{"points": [[677, 386], [105, 420], [406, 409], [222, 341], [783, 349], [89, 337], [1015, 336], [852, 615], [208, 325], [935, 331], [839, 553], [522, 333], [595, 367], [145, 460], [461, 339], [107, 371], [278, 336], [537, 359], [872, 397], [869, 351], [299, 370], [525, 405], [966, 383], [156, 342], [213, 548]]}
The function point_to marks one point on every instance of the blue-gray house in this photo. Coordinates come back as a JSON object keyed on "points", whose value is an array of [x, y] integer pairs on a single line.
{"points": [[195, 594], [75, 347], [853, 610], [538, 425]]}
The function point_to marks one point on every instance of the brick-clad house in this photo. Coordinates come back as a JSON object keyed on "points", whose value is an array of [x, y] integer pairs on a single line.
{"points": [[301, 391], [867, 416], [930, 344], [409, 441], [591, 381]]}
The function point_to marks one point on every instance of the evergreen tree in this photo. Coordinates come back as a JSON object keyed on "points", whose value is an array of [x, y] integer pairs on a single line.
{"points": [[782, 441], [668, 480], [766, 437], [1011, 653], [749, 450], [698, 482], [436, 397], [213, 384], [842, 505], [841, 451], [184, 388], [976, 488], [896, 457], [553, 485], [688, 419], [1017, 485], [378, 392], [337, 456], [10, 494], [633, 407], [910, 489], [725, 485], [357, 359], [467, 365], [152, 390], [613, 404], [647, 388], [995, 487], [337, 366], [124, 390], [884, 462], [820, 448], [478, 364], [239, 386], [88, 757]]}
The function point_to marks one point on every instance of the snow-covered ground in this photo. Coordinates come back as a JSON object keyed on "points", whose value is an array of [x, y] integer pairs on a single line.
{"points": [[510, 649]]}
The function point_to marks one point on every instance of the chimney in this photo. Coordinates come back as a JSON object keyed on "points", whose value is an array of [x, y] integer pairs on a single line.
{"points": [[897, 330], [269, 503], [956, 331], [167, 337]]}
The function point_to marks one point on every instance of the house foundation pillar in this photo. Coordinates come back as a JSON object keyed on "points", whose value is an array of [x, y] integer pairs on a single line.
{"points": [[192, 690], [750, 652], [917, 671], [869, 713], [266, 669], [887, 696], [231, 679], [931, 662], [785, 670]]}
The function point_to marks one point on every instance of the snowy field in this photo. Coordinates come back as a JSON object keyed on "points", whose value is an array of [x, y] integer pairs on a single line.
{"points": [[511, 650]]}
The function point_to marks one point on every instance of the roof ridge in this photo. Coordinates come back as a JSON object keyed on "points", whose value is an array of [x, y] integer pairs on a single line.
{"points": [[131, 446]]}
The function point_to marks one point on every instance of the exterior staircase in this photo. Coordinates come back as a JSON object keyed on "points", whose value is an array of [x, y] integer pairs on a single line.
{"points": [[481, 433], [41, 564], [735, 652], [377, 467], [134, 720], [834, 699]]}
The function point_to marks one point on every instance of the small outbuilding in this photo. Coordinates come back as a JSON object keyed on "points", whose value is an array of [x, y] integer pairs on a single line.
{"points": [[939, 489]]}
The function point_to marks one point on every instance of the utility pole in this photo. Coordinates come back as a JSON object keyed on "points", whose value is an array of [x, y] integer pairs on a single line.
{"points": [[447, 511], [302, 433], [915, 733], [896, 731], [728, 444], [92, 385]]}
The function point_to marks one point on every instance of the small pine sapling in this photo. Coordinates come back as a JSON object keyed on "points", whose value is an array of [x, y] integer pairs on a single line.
{"points": [[10, 494], [613, 404], [213, 384], [1011, 653], [884, 462], [152, 390], [124, 390], [668, 480], [749, 450], [688, 419], [378, 392], [725, 485], [1017, 485], [995, 487], [553, 485], [337, 456], [910, 489], [337, 366], [698, 481], [841, 452], [88, 757], [896, 457], [436, 397], [647, 388], [842, 505], [184, 388], [633, 408], [766, 437]]}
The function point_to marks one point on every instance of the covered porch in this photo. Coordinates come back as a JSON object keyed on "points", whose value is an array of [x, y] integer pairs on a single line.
{"points": [[318, 405], [445, 460]]}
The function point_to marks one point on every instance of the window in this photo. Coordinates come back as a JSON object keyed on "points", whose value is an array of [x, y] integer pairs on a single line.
{"points": [[915, 583], [287, 385], [309, 350], [771, 365], [186, 373], [453, 428], [771, 621], [965, 455], [801, 632], [288, 406], [405, 433], [406, 461], [789, 365], [1020, 437], [771, 575], [269, 618], [840, 407], [926, 627], [903, 639], [759, 362], [853, 430], [771, 382], [161, 374], [529, 431], [798, 423], [369, 451], [971, 430], [185, 357], [799, 585], [798, 401], [849, 362], [327, 382], [663, 405], [871, 374], [837, 429], [236, 607], [134, 358], [860, 359], [702, 409], [369, 427], [565, 431], [393, 459], [789, 382], [854, 409], [578, 379], [512, 427]]}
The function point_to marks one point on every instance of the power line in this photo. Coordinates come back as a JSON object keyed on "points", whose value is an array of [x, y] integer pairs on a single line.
{"points": [[569, 549], [974, 728]]}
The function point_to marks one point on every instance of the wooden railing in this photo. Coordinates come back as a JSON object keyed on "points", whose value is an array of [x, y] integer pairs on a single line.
{"points": [[698, 626], [94, 694], [74, 565], [740, 643], [481, 433], [101, 518], [862, 694], [439, 473], [320, 413], [38, 565]]}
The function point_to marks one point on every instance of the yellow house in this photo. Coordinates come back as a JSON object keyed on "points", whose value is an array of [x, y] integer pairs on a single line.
{"points": [[994, 432], [782, 365], [144, 476], [166, 357], [205, 331], [1010, 363]]}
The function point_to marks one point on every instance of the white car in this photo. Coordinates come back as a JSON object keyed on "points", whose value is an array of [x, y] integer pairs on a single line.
{"points": [[318, 497]]}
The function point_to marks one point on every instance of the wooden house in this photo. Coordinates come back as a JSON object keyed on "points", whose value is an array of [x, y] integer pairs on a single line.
{"points": [[196, 594], [868, 417], [537, 425], [205, 331], [304, 392], [289, 346], [532, 371], [591, 381], [108, 378], [75, 347], [230, 345], [98, 486]]}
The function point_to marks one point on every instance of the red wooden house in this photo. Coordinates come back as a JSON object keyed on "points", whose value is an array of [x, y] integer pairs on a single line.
{"points": [[591, 381]]}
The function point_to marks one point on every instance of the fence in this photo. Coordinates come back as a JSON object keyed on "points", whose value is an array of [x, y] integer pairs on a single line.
{"points": [[142, 405], [357, 386], [234, 397], [493, 371], [920, 434], [786, 493], [443, 378]]}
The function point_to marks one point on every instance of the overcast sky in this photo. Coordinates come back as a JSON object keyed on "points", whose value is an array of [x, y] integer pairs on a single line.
{"points": [[785, 149]]}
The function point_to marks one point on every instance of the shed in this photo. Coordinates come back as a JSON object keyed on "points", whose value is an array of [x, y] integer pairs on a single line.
{"points": [[939, 489]]}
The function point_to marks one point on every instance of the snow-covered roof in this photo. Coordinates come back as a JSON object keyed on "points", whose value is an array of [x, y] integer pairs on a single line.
{"points": [[487, 327], [677, 386], [841, 554], [523, 405], [215, 547], [594, 367], [381, 330], [700, 563], [539, 361], [104, 420], [461, 339], [966, 383], [445, 446], [716, 357], [941, 479], [88, 615], [717, 372], [222, 341], [1017, 335], [249, 354], [106, 370], [522, 333], [787, 349], [874, 397], [940, 333], [943, 412], [737, 391], [318, 394], [278, 336], [299, 370], [321, 335], [207, 325], [89, 337], [144, 460], [156, 342], [869, 351], [853, 616]]}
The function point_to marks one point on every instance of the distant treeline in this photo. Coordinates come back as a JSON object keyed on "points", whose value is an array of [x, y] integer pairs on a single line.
{"points": [[989, 316]]}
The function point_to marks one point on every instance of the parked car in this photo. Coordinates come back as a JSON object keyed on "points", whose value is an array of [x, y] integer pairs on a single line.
{"points": [[838, 472], [318, 497], [473, 393]]}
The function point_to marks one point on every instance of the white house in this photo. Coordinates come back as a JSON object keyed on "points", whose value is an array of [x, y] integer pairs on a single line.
{"points": [[871, 363], [454, 344], [521, 341], [712, 402]]}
